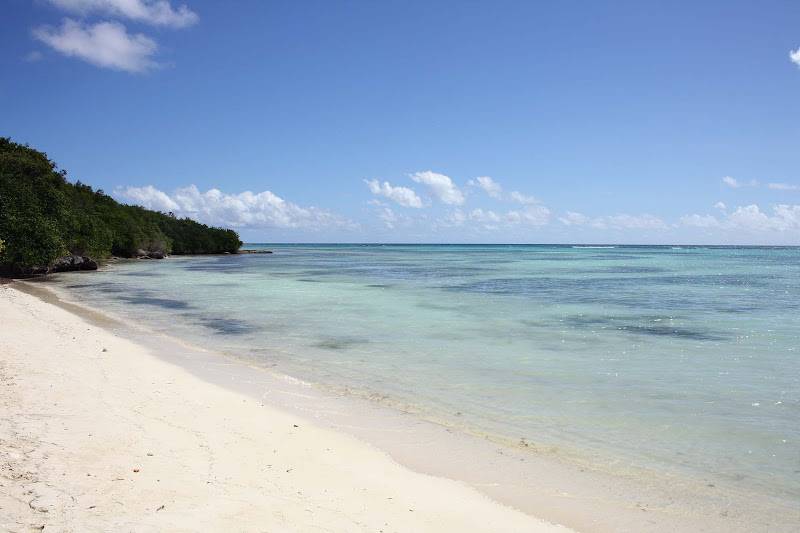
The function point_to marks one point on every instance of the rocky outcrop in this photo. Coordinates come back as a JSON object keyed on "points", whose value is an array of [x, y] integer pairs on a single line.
{"points": [[70, 263], [74, 262], [147, 254]]}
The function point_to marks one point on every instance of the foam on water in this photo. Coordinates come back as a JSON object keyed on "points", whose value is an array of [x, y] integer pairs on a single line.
{"points": [[680, 361]]}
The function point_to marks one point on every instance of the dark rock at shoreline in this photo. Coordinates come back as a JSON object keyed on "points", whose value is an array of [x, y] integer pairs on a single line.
{"points": [[70, 263], [74, 262], [146, 254], [254, 251]]}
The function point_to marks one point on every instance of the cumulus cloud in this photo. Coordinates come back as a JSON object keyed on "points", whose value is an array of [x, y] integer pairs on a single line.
{"points": [[479, 215], [622, 221], [520, 198], [401, 195], [388, 217], [155, 12], [490, 187], [440, 187], [636, 222], [243, 210], [795, 57], [535, 216], [105, 44], [495, 190], [457, 217], [391, 219], [733, 182], [571, 218], [783, 186], [149, 197], [749, 218], [720, 205], [699, 221]]}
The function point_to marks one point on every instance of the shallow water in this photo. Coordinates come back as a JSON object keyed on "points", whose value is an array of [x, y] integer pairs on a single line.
{"points": [[676, 361]]}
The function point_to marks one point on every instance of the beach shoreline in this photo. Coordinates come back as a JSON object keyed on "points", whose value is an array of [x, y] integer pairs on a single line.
{"points": [[586, 500], [101, 435]]}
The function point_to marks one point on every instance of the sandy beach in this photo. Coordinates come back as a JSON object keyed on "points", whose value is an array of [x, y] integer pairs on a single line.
{"points": [[99, 434]]}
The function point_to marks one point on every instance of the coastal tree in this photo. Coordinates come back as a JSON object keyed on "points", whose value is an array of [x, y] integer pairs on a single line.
{"points": [[43, 217]]}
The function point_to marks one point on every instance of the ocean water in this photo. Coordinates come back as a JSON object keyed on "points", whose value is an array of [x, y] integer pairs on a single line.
{"points": [[676, 360]]}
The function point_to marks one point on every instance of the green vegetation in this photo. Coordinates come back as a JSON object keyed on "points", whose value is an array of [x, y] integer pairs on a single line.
{"points": [[44, 217]]}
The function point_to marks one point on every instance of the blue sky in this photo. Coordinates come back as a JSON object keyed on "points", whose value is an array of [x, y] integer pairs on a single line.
{"points": [[406, 121]]}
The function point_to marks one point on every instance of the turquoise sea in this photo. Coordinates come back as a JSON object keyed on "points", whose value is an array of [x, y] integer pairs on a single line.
{"points": [[678, 360]]}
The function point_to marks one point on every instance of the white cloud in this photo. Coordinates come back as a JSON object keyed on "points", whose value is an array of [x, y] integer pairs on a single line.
{"points": [[749, 218], [455, 218], [699, 221], [495, 190], [491, 187], [783, 186], [795, 57], [440, 186], [149, 197], [720, 205], [155, 12], [479, 215], [636, 222], [401, 195], [622, 221], [787, 217], [530, 216], [243, 210], [731, 181], [520, 198], [388, 217], [105, 44], [571, 218], [535, 216]]}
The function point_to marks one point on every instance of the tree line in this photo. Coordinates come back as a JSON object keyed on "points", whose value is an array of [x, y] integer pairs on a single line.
{"points": [[44, 217]]}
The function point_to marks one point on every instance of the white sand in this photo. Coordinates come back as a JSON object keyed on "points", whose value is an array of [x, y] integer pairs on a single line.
{"points": [[99, 434]]}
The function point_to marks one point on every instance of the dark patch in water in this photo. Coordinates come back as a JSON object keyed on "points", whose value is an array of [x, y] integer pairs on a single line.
{"points": [[105, 287], [228, 326], [160, 302], [223, 264], [210, 268], [82, 286], [749, 280], [341, 343], [624, 269], [657, 326], [379, 286], [669, 331], [324, 272], [678, 293], [110, 289], [307, 280]]}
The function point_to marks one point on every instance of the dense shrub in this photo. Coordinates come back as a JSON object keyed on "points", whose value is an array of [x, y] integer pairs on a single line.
{"points": [[43, 217]]}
